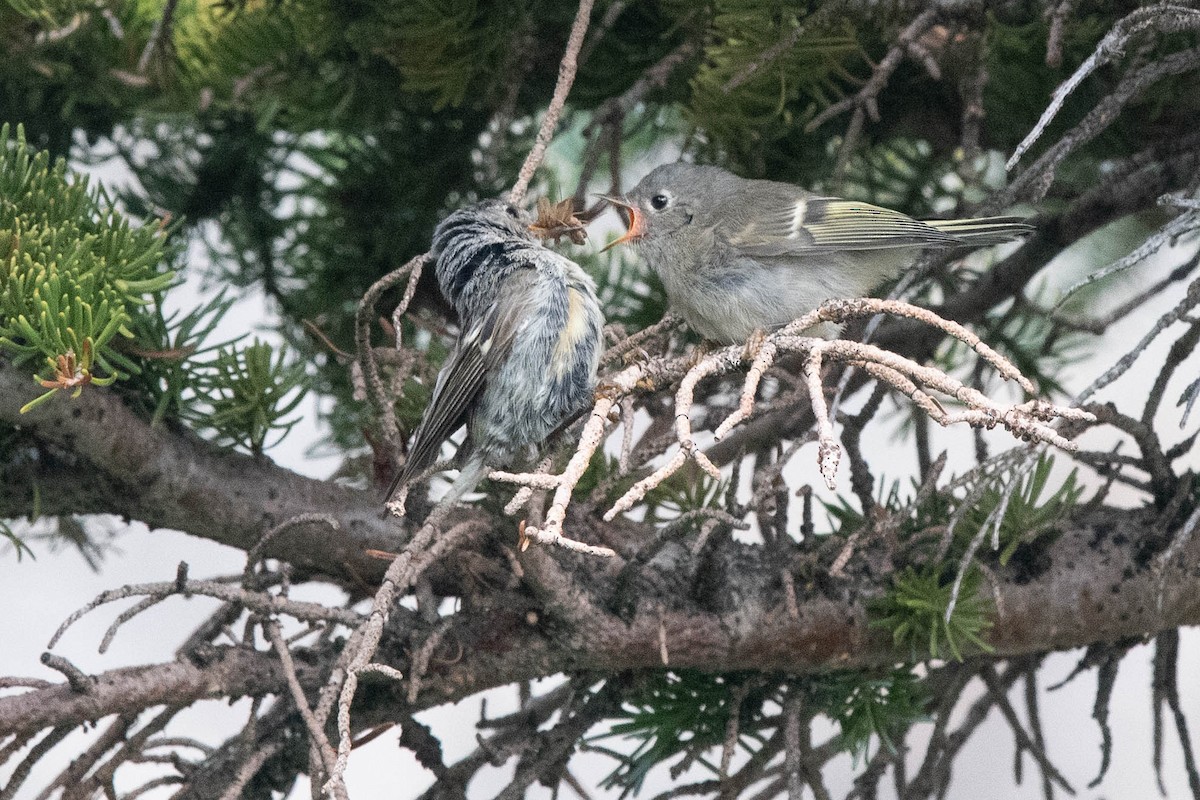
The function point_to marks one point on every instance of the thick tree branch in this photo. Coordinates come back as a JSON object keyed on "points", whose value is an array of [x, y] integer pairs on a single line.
{"points": [[1097, 582], [174, 480], [228, 672]]}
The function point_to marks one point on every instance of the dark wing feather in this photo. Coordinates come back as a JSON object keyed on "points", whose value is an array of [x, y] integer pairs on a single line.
{"points": [[464, 376]]}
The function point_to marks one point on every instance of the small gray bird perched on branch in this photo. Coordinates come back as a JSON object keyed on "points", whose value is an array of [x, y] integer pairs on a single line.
{"points": [[529, 344], [738, 256]]}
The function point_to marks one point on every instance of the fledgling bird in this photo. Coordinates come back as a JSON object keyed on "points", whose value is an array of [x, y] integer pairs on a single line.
{"points": [[738, 256], [528, 349]]}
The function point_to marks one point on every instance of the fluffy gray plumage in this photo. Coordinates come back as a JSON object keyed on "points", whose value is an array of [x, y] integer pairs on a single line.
{"points": [[530, 343], [738, 255]]}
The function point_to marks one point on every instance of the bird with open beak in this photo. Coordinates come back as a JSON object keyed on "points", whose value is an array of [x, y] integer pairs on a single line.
{"points": [[635, 222], [738, 256]]}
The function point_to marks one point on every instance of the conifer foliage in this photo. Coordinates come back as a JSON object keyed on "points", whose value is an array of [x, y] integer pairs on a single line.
{"points": [[750, 571]]}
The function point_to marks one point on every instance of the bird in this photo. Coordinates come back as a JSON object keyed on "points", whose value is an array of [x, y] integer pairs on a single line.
{"points": [[739, 257], [529, 345]]}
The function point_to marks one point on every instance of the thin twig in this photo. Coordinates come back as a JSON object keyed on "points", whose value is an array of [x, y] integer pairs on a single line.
{"points": [[737, 695], [426, 547], [566, 76], [1190, 301], [159, 35], [36, 753], [420, 661], [792, 705], [126, 615], [249, 768], [1035, 181], [999, 694], [1163, 561], [255, 552], [1164, 236], [259, 602], [316, 731], [766, 57], [80, 683], [1166, 18], [366, 362]]}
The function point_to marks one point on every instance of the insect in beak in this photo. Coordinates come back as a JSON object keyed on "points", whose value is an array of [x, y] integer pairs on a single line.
{"points": [[635, 222]]}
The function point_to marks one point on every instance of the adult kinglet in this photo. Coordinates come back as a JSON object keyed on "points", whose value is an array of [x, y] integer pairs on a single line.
{"points": [[738, 255], [529, 343]]}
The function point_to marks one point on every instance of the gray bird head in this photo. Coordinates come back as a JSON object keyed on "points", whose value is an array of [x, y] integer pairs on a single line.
{"points": [[673, 198], [495, 217], [473, 248]]}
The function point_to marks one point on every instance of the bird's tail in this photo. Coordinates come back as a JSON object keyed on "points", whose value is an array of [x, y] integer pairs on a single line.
{"points": [[983, 231], [468, 478]]}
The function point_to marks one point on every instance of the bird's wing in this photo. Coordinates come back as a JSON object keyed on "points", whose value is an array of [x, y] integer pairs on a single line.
{"points": [[776, 219], [462, 379]]}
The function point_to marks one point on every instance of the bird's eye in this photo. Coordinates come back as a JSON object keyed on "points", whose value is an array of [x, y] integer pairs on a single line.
{"points": [[512, 212], [659, 202]]}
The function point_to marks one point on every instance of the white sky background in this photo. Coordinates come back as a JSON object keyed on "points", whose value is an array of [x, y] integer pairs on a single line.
{"points": [[40, 593]]}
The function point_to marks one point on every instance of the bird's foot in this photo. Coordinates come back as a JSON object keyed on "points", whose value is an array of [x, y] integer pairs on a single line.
{"points": [[606, 391], [754, 344], [701, 350], [634, 356]]}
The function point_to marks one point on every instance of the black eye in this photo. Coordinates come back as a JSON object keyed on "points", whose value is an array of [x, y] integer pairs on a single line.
{"points": [[512, 212], [659, 202]]}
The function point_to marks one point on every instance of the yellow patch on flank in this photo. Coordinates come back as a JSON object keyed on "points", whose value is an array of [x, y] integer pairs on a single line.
{"points": [[572, 332]]}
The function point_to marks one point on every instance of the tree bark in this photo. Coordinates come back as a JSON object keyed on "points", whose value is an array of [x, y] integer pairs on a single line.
{"points": [[1098, 581]]}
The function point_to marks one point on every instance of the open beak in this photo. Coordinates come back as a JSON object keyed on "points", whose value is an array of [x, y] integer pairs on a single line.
{"points": [[635, 222]]}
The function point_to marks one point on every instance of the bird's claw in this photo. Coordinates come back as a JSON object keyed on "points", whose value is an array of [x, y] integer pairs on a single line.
{"points": [[754, 344]]}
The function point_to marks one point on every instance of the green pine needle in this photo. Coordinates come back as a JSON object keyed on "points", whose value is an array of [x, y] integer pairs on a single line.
{"points": [[914, 611], [75, 271], [249, 392]]}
